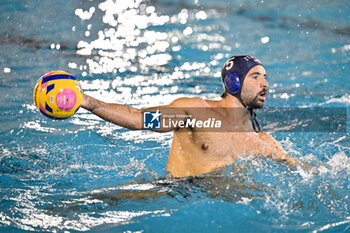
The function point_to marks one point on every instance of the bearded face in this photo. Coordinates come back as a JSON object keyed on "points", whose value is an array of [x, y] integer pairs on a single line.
{"points": [[254, 88]]}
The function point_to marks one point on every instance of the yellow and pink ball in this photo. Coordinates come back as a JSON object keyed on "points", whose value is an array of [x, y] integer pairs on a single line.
{"points": [[58, 95]]}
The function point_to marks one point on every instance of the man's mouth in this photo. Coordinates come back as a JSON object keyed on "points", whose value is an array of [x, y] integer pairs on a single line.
{"points": [[263, 94]]}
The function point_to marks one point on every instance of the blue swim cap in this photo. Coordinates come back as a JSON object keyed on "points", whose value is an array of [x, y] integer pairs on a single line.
{"points": [[234, 72]]}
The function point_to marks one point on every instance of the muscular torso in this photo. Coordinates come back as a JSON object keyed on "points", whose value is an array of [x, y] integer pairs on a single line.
{"points": [[195, 152], [198, 153]]}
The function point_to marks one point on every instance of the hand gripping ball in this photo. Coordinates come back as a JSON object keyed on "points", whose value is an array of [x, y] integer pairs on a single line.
{"points": [[58, 95]]}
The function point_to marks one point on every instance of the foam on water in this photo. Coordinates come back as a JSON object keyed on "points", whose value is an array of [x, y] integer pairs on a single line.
{"points": [[259, 183]]}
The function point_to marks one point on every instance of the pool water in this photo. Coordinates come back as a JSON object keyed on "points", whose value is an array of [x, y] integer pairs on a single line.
{"points": [[83, 174]]}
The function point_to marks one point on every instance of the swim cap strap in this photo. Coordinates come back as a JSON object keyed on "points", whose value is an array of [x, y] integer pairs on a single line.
{"points": [[255, 122]]}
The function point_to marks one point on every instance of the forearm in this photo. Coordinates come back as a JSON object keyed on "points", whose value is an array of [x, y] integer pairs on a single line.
{"points": [[118, 114], [282, 156], [285, 158], [130, 117], [274, 150]]}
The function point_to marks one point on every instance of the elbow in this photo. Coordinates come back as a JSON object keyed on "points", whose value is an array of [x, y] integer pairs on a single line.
{"points": [[135, 121], [137, 125], [129, 119]]}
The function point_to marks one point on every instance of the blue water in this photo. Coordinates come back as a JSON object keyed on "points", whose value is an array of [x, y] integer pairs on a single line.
{"points": [[84, 174]]}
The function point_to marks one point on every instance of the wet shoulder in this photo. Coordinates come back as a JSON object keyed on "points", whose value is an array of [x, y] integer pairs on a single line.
{"points": [[190, 102], [264, 136], [267, 138]]}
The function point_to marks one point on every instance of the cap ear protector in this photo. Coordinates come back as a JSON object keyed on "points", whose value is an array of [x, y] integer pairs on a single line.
{"points": [[231, 83]]}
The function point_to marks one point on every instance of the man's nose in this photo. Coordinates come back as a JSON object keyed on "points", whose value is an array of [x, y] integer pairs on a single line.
{"points": [[264, 83]]}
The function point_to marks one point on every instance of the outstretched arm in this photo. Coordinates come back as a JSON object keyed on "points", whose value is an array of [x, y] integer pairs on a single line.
{"points": [[118, 114], [129, 117]]}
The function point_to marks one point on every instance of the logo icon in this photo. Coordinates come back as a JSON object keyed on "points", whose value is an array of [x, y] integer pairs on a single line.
{"points": [[151, 120]]}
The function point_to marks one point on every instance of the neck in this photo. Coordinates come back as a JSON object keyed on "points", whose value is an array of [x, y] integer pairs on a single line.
{"points": [[240, 113]]}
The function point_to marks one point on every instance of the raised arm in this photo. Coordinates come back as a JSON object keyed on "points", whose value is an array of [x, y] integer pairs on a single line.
{"points": [[129, 117]]}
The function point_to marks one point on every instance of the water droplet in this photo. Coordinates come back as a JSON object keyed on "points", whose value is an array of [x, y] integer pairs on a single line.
{"points": [[7, 70]]}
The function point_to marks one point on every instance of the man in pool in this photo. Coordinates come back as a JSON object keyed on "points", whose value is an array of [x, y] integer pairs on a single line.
{"points": [[195, 151]]}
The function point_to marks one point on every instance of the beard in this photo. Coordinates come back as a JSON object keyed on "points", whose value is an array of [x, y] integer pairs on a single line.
{"points": [[256, 102]]}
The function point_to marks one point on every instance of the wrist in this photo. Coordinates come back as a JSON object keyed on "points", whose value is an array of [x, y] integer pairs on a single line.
{"points": [[87, 103], [84, 101]]}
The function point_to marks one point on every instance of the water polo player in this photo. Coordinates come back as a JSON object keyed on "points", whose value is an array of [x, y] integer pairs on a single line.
{"points": [[196, 151]]}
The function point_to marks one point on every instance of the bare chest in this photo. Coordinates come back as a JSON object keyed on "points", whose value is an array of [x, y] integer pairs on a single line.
{"points": [[233, 144], [198, 153]]}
